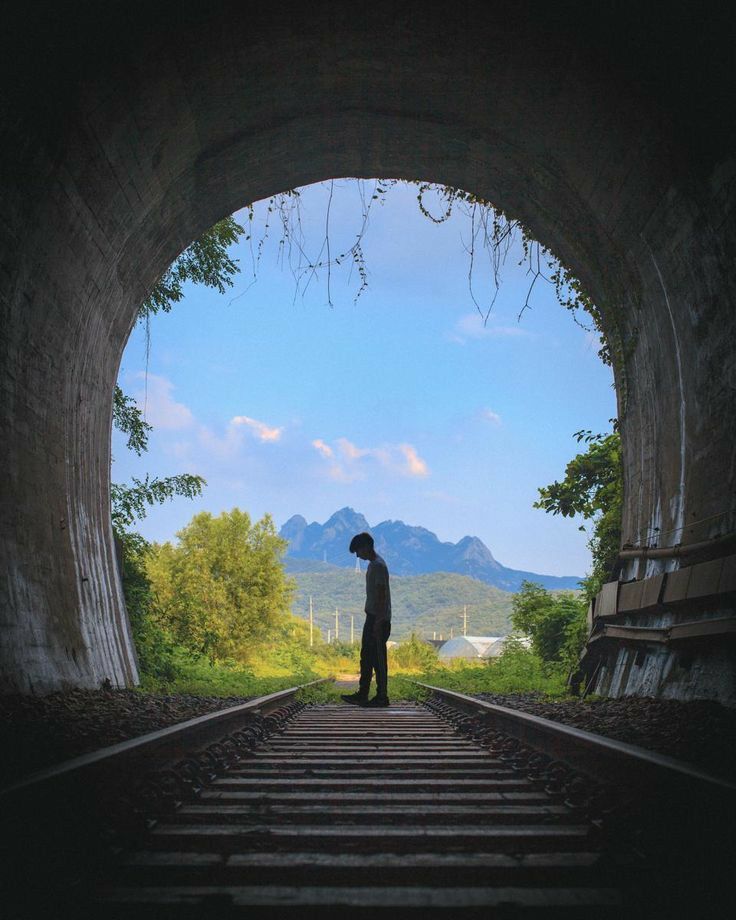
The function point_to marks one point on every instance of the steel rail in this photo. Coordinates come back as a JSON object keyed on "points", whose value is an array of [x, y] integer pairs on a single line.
{"points": [[319, 810], [60, 824], [364, 812], [598, 756], [682, 817], [152, 749]]}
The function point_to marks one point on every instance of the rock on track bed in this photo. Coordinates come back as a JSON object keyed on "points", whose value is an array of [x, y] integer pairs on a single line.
{"points": [[37, 731], [701, 732]]}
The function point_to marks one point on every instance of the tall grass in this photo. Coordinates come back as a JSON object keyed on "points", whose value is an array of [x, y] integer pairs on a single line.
{"points": [[273, 668]]}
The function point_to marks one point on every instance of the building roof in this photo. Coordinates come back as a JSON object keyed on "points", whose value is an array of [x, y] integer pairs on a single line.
{"points": [[495, 648], [467, 646]]}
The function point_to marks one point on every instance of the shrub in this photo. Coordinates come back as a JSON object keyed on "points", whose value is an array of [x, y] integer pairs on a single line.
{"points": [[412, 655]]}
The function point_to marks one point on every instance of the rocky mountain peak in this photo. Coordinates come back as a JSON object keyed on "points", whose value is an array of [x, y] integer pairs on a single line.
{"points": [[407, 549]]}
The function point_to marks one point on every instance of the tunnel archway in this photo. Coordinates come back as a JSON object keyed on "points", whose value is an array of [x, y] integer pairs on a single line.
{"points": [[129, 135]]}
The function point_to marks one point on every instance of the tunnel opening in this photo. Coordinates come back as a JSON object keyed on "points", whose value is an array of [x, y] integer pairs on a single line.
{"points": [[132, 138], [302, 388]]}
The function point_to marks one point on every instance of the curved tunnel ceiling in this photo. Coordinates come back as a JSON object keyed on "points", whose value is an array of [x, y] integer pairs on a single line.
{"points": [[128, 134]]}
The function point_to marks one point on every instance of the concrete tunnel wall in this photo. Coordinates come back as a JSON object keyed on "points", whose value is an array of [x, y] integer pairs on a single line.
{"points": [[128, 131]]}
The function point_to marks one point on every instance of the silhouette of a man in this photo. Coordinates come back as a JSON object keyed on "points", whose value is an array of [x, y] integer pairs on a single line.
{"points": [[377, 626]]}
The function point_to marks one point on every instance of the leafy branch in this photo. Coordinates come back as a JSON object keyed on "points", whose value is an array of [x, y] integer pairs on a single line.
{"points": [[593, 489], [128, 419], [131, 502], [206, 262]]}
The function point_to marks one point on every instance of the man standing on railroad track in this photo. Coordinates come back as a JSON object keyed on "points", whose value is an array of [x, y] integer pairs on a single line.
{"points": [[377, 626]]}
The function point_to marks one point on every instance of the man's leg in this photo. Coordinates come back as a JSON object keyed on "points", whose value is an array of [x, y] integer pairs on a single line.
{"points": [[366, 667], [381, 664], [367, 657]]}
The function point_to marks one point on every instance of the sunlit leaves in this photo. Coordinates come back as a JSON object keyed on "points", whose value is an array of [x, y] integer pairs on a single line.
{"points": [[130, 503], [554, 622], [593, 489], [128, 419], [205, 261], [222, 586]]}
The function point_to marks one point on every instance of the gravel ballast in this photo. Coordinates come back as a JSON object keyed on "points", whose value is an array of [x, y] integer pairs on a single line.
{"points": [[36, 732], [700, 732]]}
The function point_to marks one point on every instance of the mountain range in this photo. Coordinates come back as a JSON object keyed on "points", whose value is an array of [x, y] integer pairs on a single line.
{"points": [[407, 549]]}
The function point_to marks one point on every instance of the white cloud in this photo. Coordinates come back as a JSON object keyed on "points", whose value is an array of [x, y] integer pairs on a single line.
{"points": [[336, 470], [338, 473], [261, 430], [401, 459], [490, 416], [160, 409], [324, 449], [230, 442], [350, 451], [472, 326], [415, 466], [222, 447]]}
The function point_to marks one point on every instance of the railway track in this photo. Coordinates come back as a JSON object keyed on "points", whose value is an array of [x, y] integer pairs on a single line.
{"points": [[455, 807]]}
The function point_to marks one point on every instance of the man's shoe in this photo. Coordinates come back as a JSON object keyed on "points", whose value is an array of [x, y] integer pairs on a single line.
{"points": [[376, 702], [357, 699]]}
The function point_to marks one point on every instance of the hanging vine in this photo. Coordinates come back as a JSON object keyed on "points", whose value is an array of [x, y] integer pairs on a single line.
{"points": [[490, 235], [495, 234]]}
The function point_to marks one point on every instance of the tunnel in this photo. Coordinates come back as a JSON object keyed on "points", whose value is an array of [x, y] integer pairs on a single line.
{"points": [[129, 129]]}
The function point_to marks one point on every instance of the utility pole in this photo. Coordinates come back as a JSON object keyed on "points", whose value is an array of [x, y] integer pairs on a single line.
{"points": [[329, 637], [337, 626], [311, 623], [352, 628], [452, 632], [465, 620], [434, 634]]}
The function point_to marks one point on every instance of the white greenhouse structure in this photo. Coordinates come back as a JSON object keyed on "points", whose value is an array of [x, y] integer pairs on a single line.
{"points": [[467, 647], [497, 647]]}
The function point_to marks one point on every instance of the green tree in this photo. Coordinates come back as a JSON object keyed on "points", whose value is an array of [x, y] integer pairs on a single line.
{"points": [[128, 419], [129, 501], [554, 622], [414, 654], [156, 652], [206, 262], [592, 488], [519, 669], [221, 589]]}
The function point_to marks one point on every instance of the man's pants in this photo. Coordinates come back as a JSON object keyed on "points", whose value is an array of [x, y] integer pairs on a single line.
{"points": [[373, 658]]}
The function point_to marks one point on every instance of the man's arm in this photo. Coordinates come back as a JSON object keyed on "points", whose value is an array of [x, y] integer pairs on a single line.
{"points": [[380, 615]]}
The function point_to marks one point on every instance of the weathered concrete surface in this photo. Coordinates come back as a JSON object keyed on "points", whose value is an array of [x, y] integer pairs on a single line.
{"points": [[127, 129]]}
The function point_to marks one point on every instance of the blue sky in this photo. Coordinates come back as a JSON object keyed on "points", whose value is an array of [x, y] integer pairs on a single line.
{"points": [[403, 405]]}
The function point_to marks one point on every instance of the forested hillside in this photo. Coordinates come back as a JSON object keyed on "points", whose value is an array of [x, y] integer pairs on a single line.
{"points": [[421, 603]]}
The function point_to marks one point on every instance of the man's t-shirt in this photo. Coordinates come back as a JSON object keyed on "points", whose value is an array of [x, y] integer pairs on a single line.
{"points": [[376, 574]]}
